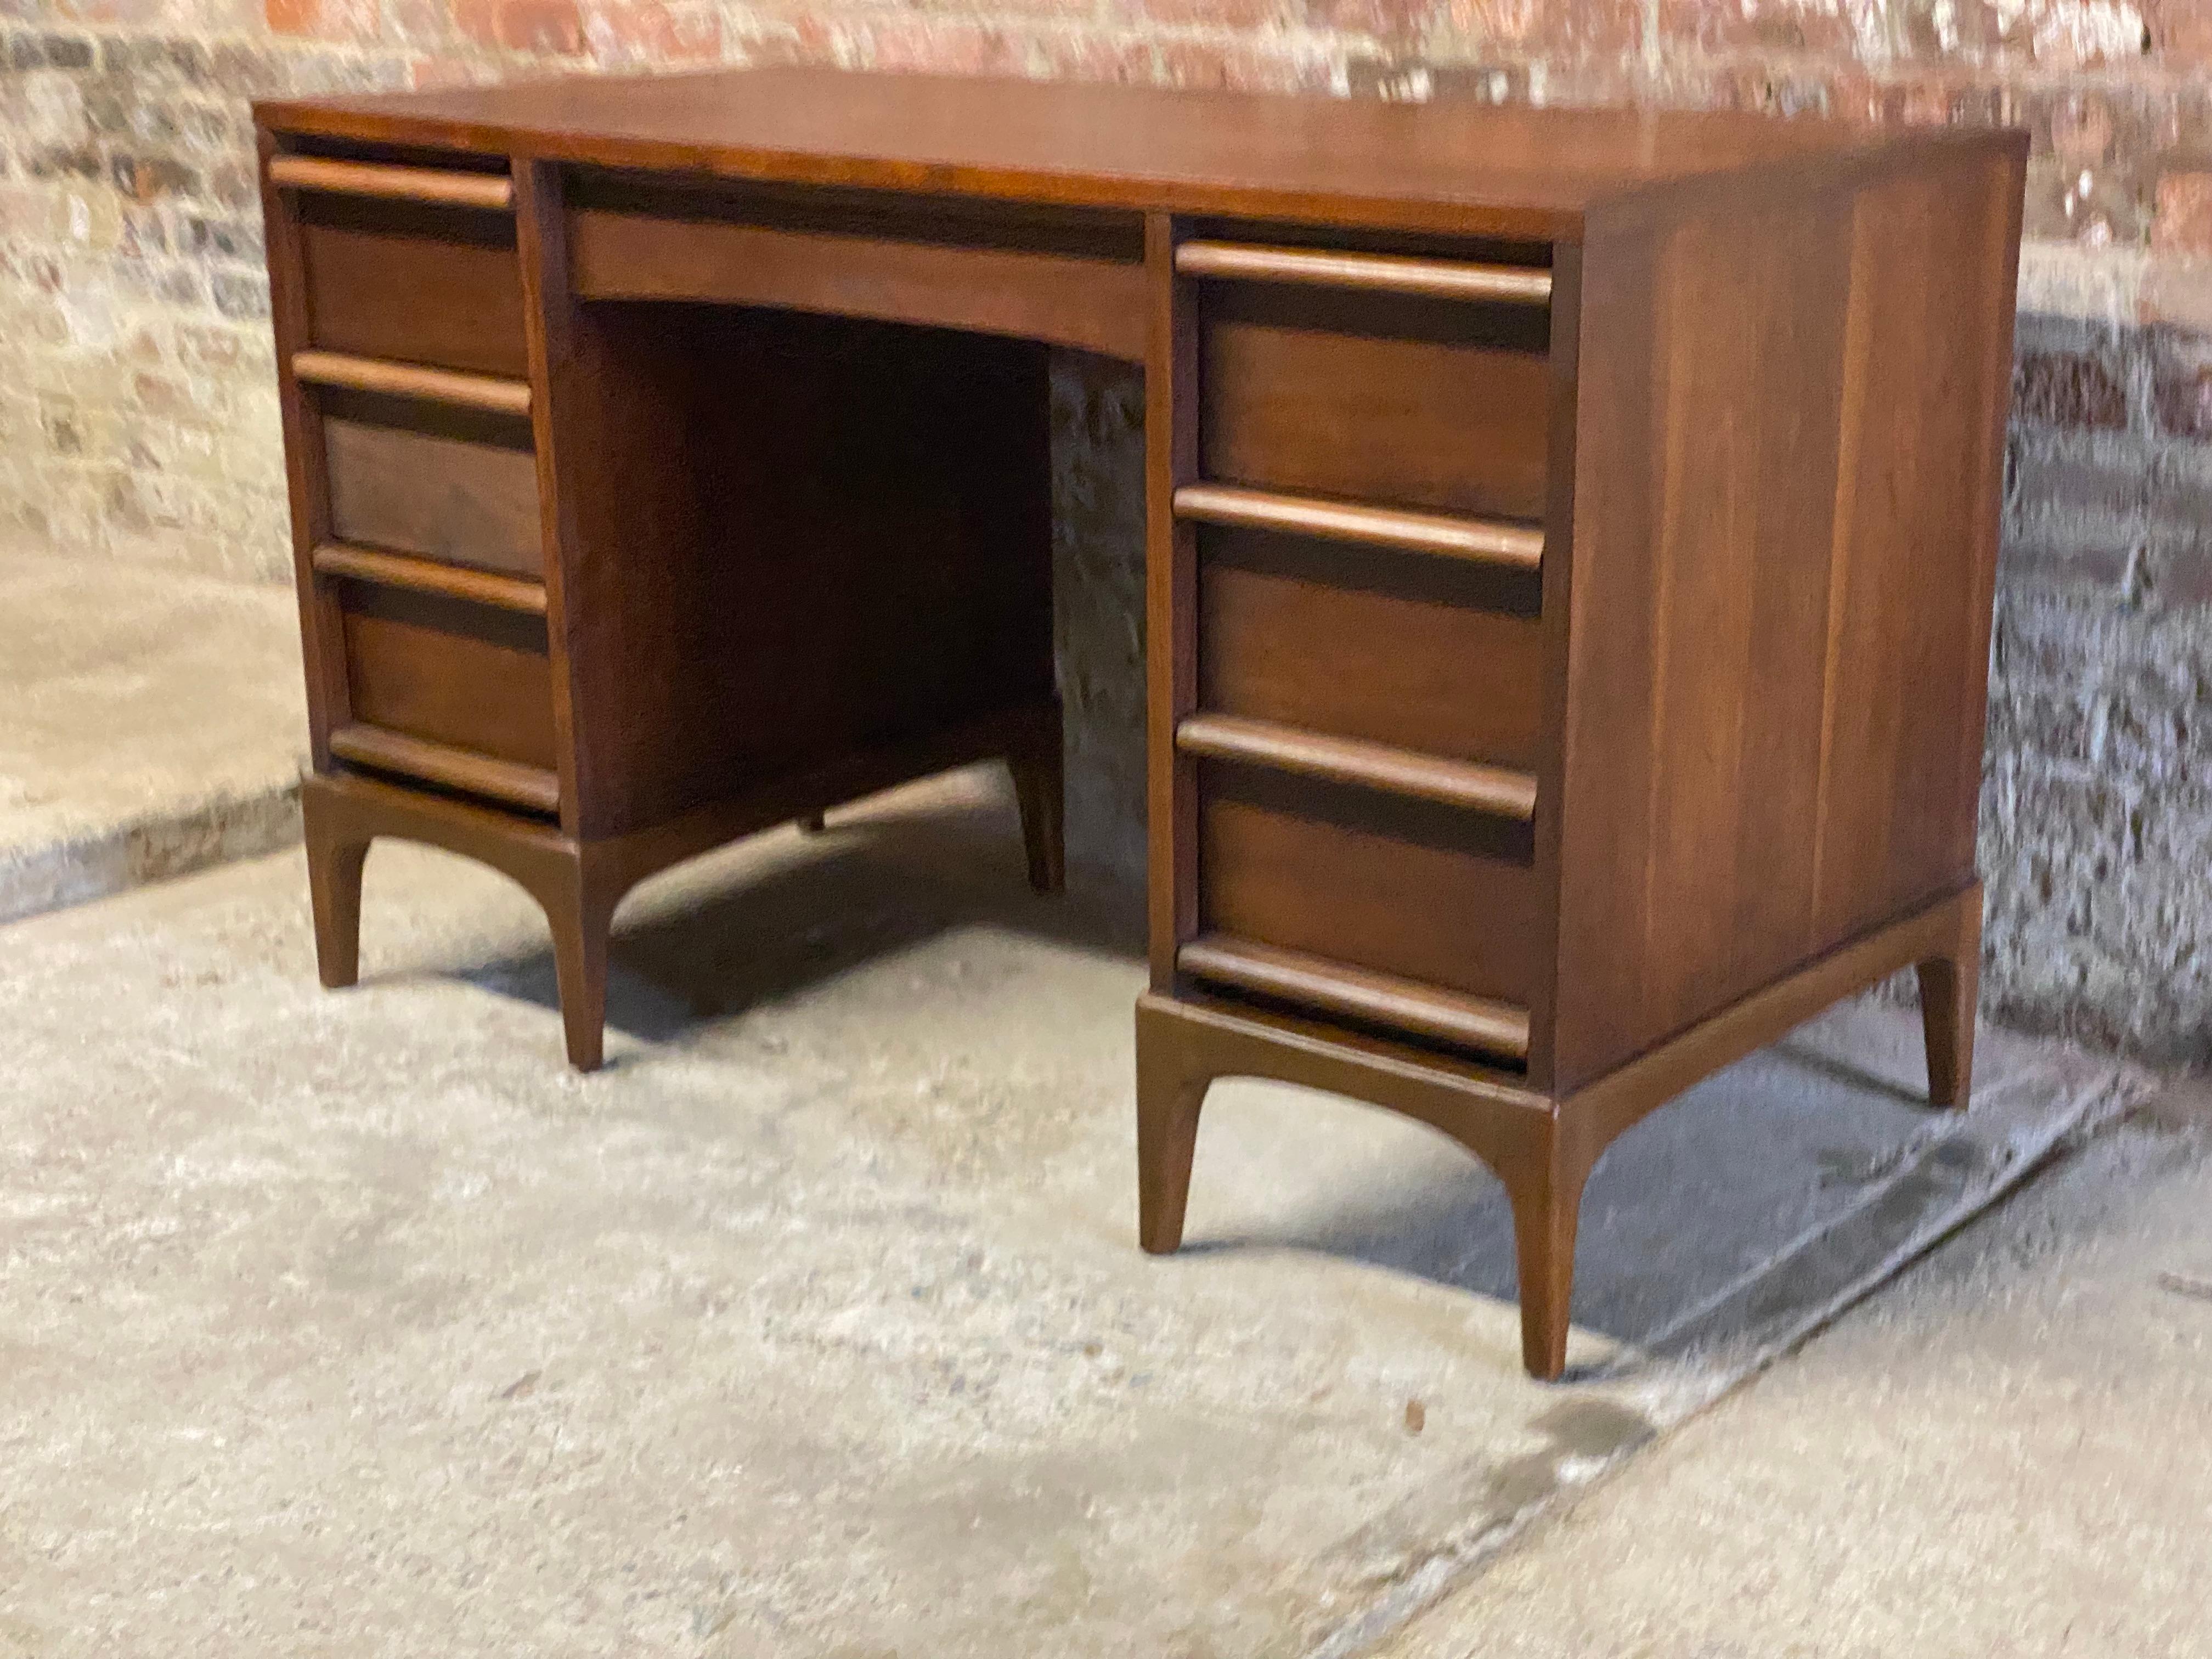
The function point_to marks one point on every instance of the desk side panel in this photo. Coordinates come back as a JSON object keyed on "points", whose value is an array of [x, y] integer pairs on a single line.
{"points": [[1788, 476]]}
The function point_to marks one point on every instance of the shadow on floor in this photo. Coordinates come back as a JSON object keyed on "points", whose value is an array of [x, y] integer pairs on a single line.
{"points": [[716, 938], [1733, 1183]]}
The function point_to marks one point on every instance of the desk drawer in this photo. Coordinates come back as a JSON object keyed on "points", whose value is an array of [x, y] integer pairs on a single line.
{"points": [[1394, 399], [1439, 656], [449, 672], [455, 485], [1405, 888], [414, 283]]}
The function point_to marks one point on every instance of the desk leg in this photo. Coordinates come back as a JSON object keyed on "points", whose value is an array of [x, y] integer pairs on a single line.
{"points": [[335, 852], [580, 911], [1548, 1199], [1039, 767], [1950, 989]]}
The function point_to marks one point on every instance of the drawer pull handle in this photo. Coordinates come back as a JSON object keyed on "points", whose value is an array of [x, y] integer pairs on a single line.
{"points": [[1493, 789], [474, 190], [443, 386], [1495, 1028], [1382, 273], [455, 581], [529, 786], [1490, 541]]}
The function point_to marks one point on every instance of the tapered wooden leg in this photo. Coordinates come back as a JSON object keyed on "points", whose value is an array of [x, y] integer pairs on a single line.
{"points": [[1040, 785], [581, 916], [1169, 1096], [335, 857], [1950, 989], [1547, 1201]]}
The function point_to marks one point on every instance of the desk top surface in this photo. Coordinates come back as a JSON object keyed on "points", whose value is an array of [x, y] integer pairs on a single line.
{"points": [[1475, 168]]}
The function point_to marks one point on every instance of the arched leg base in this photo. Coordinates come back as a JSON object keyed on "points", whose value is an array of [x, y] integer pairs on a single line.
{"points": [[1184, 1044]]}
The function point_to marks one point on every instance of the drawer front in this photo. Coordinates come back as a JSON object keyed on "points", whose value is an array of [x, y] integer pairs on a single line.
{"points": [[1439, 656], [449, 485], [450, 672], [414, 283], [1383, 399], [1405, 888]]}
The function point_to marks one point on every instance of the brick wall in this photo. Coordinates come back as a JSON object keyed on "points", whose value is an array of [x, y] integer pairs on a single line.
{"points": [[138, 420]]}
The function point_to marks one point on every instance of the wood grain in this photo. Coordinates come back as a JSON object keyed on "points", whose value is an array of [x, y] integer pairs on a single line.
{"points": [[790, 535], [1400, 887], [454, 500], [1093, 305], [1689, 746], [1780, 638], [396, 280], [1488, 540], [1493, 789], [531, 787], [1454, 166], [1436, 279], [451, 673], [1435, 655], [1380, 400], [498, 396], [369, 564], [447, 188], [1171, 625], [1494, 1028], [322, 647]]}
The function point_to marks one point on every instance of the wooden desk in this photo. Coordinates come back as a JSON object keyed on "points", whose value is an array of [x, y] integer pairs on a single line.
{"points": [[1570, 545]]}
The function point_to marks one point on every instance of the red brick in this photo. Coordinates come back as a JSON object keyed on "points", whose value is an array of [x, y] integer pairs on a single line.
{"points": [[552, 27], [1226, 13], [649, 32], [1825, 27], [2183, 223], [2054, 33], [323, 20], [2179, 30]]}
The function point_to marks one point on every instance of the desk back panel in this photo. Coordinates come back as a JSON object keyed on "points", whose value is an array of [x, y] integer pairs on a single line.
{"points": [[793, 536]]}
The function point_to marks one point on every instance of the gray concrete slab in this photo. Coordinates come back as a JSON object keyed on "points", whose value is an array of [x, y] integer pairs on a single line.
{"points": [[353, 1323], [151, 722], [2005, 1453]]}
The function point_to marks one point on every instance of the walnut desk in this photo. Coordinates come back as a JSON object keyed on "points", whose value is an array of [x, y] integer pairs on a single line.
{"points": [[1570, 545]]}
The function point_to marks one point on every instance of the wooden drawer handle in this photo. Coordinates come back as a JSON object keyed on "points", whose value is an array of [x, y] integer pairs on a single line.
{"points": [[531, 787], [1495, 1028], [1381, 273], [474, 190], [1490, 541], [443, 386], [1492, 789], [455, 581]]}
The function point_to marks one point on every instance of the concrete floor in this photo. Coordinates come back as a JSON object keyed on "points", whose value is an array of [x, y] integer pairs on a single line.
{"points": [[354, 1324], [151, 722], [2007, 1453]]}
